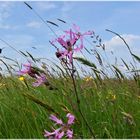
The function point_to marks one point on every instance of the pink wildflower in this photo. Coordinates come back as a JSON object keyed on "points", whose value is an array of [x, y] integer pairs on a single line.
{"points": [[64, 129], [69, 133], [26, 70], [71, 118], [80, 35], [69, 45], [50, 134], [41, 79], [55, 119]]}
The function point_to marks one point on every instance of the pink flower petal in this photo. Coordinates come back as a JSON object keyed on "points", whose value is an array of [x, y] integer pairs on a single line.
{"points": [[27, 69], [77, 49], [47, 134], [71, 118], [55, 119], [27, 65], [54, 133], [22, 72], [69, 133], [59, 135], [76, 28], [70, 34], [39, 80], [62, 42], [87, 33]]}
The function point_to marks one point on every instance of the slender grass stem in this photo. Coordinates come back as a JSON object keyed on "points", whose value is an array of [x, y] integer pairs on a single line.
{"points": [[79, 108], [78, 100]]}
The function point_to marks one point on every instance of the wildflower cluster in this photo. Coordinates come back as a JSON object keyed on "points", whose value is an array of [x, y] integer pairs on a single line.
{"points": [[71, 42], [40, 78], [64, 129], [68, 41]]}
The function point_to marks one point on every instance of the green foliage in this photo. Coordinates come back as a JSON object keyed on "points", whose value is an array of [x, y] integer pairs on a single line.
{"points": [[85, 62], [136, 57], [111, 109]]}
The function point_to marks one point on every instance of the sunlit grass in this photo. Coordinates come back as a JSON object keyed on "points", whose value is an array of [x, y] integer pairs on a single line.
{"points": [[103, 99], [22, 118]]}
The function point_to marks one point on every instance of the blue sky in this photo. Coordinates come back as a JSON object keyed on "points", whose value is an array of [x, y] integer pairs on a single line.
{"points": [[23, 30]]}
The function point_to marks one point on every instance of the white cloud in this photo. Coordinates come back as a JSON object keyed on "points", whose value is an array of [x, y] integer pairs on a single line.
{"points": [[116, 43], [47, 5], [119, 49], [34, 24]]}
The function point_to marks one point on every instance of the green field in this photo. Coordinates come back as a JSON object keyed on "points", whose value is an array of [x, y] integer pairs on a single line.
{"points": [[104, 106], [93, 94], [111, 108]]}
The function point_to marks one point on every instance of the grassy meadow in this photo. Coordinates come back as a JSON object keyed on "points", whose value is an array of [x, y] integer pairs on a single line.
{"points": [[111, 108], [104, 105]]}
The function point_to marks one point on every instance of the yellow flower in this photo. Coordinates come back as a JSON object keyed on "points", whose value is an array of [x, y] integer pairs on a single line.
{"points": [[21, 78], [87, 79], [113, 97]]}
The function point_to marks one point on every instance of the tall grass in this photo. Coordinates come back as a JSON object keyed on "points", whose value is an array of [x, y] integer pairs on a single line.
{"points": [[104, 106]]}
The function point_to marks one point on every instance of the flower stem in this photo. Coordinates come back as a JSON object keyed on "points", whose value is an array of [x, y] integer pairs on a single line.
{"points": [[79, 108], [78, 100]]}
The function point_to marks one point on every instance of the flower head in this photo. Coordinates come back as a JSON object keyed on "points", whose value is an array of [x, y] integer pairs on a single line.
{"points": [[69, 44], [111, 96], [80, 36], [55, 119], [69, 133], [64, 129], [27, 69], [71, 118], [21, 78], [40, 79], [89, 78]]}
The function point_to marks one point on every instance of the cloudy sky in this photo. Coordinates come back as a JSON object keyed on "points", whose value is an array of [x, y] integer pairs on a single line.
{"points": [[22, 29]]}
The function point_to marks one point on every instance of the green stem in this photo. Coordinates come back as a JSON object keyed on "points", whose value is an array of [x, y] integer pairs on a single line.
{"points": [[78, 100]]}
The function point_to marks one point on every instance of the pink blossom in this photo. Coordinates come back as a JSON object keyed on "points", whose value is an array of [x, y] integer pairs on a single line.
{"points": [[26, 70], [48, 134], [69, 133], [64, 129], [59, 135], [71, 118], [77, 30], [55, 119], [41, 79], [80, 35], [69, 45]]}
